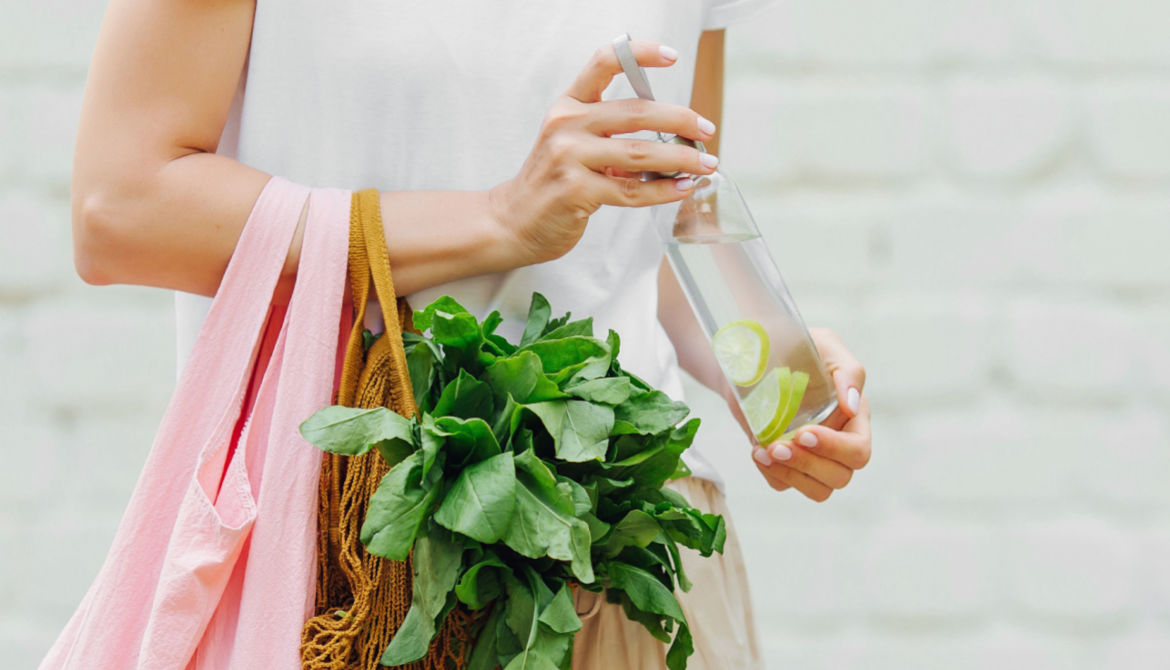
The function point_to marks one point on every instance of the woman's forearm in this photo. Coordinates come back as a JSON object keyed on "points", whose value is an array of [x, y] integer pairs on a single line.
{"points": [[435, 237], [176, 226], [690, 342], [153, 204]]}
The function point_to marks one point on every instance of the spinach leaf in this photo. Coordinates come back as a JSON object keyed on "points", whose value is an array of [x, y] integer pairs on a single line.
{"points": [[644, 589], [437, 558], [602, 391], [540, 645], [397, 509], [676, 561], [557, 355], [480, 503], [579, 328], [467, 440], [420, 364], [520, 614], [649, 412], [481, 582], [538, 313], [485, 655], [465, 397], [657, 625], [680, 650], [553, 324], [449, 322], [369, 338], [580, 429], [522, 377], [614, 342], [351, 431], [458, 333], [637, 528], [656, 464], [498, 345], [544, 523], [560, 614], [646, 600]]}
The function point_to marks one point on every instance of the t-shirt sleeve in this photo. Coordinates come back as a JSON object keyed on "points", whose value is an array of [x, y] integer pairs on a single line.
{"points": [[722, 13]]}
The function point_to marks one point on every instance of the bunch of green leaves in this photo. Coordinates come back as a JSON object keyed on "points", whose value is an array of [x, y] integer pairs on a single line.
{"points": [[530, 468]]}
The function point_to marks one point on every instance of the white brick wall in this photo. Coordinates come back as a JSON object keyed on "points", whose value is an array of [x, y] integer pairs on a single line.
{"points": [[973, 192], [1005, 127]]}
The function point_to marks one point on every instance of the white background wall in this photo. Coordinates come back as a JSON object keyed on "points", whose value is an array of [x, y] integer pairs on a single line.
{"points": [[974, 193]]}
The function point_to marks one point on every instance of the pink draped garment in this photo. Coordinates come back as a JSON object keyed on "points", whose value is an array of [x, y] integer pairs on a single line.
{"points": [[214, 564]]}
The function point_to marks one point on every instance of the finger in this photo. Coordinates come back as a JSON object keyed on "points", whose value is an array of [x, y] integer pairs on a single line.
{"points": [[627, 192], [851, 446], [763, 464], [772, 481], [629, 115], [611, 171], [775, 483], [604, 66], [632, 156], [847, 372], [820, 467], [781, 477]]}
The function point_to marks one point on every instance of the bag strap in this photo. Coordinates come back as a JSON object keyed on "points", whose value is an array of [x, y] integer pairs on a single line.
{"points": [[369, 210], [235, 321], [369, 260]]}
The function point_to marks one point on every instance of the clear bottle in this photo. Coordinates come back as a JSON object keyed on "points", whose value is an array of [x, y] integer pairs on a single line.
{"points": [[738, 295]]}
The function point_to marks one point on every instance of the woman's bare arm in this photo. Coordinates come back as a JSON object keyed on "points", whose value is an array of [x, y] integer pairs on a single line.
{"points": [[154, 205]]}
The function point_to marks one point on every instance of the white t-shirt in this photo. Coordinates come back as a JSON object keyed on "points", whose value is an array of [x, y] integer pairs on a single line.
{"points": [[449, 95]]}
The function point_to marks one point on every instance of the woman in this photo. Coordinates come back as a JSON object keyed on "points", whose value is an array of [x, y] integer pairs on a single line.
{"points": [[192, 105]]}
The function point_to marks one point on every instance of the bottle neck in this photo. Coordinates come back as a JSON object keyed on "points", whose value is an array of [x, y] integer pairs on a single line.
{"points": [[675, 139]]}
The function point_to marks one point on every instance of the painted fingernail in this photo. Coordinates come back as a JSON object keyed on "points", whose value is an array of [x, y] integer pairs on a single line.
{"points": [[781, 452], [807, 439], [706, 126], [854, 399], [668, 53], [684, 184], [761, 457], [708, 160]]}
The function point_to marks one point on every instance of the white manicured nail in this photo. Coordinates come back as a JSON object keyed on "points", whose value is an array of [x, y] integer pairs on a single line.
{"points": [[761, 457], [684, 184], [706, 126], [708, 160], [854, 399], [807, 439], [668, 53], [781, 452]]}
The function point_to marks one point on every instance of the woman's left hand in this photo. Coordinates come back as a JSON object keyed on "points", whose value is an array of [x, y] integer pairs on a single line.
{"points": [[822, 458]]}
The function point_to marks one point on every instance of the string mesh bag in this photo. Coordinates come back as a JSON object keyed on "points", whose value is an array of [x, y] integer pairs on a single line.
{"points": [[362, 599]]}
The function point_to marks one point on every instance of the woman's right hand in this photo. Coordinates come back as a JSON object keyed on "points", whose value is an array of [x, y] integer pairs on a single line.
{"points": [[576, 165]]}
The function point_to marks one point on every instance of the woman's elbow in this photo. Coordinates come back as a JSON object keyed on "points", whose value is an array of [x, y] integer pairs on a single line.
{"points": [[102, 223]]}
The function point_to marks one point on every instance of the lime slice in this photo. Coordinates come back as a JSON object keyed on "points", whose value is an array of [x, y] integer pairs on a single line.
{"points": [[765, 404], [798, 384], [741, 347]]}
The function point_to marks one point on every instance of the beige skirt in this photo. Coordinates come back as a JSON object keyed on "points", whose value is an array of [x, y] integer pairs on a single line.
{"points": [[718, 609]]}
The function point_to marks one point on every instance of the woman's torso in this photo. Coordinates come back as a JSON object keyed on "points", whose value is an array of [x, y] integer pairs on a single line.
{"points": [[449, 94]]}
